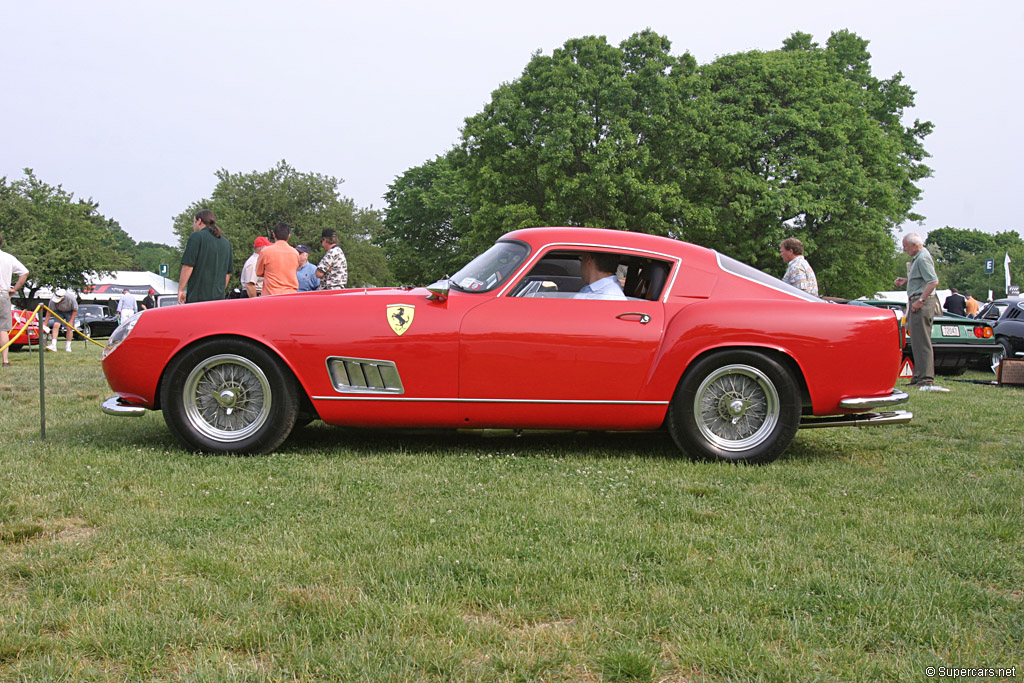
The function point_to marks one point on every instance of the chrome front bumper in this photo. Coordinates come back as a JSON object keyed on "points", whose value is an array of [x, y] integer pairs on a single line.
{"points": [[114, 406]]}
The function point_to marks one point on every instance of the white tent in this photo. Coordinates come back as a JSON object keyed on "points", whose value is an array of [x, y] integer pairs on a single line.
{"points": [[111, 287]]}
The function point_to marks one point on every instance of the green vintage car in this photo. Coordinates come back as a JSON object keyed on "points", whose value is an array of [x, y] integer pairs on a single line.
{"points": [[959, 343]]}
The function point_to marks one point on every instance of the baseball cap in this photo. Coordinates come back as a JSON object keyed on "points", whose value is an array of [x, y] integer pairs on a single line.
{"points": [[261, 241], [328, 232], [58, 294], [303, 248]]}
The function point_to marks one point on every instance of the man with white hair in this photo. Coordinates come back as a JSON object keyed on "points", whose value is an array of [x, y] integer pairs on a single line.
{"points": [[922, 307]]}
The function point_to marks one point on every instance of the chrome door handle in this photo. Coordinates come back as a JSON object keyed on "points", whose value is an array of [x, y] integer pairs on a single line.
{"points": [[641, 318]]}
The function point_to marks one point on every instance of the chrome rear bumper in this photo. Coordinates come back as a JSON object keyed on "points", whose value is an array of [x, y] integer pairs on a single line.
{"points": [[894, 399], [114, 406]]}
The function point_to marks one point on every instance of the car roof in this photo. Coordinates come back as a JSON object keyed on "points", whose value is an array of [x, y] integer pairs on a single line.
{"points": [[616, 239]]}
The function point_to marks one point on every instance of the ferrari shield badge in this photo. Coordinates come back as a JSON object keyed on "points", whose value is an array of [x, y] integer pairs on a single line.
{"points": [[400, 317]]}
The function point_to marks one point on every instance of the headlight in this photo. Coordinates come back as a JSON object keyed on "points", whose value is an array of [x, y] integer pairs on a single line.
{"points": [[119, 335]]}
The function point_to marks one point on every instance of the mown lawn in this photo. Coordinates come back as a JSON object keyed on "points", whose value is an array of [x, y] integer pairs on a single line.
{"points": [[861, 555]]}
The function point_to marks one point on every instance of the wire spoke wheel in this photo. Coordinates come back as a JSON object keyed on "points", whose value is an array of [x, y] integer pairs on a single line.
{"points": [[227, 398], [737, 407]]}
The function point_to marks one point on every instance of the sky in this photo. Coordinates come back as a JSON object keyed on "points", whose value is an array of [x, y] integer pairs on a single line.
{"points": [[138, 104]]}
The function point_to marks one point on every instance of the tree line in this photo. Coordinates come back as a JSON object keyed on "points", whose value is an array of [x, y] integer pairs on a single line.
{"points": [[735, 155]]}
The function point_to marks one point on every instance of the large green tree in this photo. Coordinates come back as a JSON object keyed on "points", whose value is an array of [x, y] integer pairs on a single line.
{"points": [[59, 238], [804, 142], [248, 205], [736, 155]]}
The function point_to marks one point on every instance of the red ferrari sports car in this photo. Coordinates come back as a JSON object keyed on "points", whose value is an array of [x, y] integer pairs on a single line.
{"points": [[18, 319], [730, 360]]}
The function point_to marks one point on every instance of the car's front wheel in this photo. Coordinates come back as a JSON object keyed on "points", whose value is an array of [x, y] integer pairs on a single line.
{"points": [[229, 396], [735, 406]]}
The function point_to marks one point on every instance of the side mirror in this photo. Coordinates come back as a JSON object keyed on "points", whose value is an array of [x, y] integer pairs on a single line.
{"points": [[438, 291]]}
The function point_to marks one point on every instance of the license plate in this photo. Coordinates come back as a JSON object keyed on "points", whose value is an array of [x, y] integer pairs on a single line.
{"points": [[950, 331]]}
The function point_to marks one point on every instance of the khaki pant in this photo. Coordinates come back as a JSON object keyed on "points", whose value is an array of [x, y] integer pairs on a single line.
{"points": [[921, 339]]}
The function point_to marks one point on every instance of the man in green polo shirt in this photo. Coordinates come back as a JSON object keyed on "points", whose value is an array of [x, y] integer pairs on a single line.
{"points": [[922, 307], [206, 264]]}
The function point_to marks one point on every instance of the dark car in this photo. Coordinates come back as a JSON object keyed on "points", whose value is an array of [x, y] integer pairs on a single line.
{"points": [[1007, 318], [95, 320], [958, 343]]}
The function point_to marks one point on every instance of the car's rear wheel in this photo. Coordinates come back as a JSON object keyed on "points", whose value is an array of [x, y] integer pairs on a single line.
{"points": [[87, 330], [735, 406], [229, 396], [1007, 347]]}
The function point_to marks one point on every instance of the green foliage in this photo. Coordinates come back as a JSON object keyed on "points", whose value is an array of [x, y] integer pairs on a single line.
{"points": [[422, 229], [57, 237], [736, 155], [149, 256], [960, 257], [248, 205]]}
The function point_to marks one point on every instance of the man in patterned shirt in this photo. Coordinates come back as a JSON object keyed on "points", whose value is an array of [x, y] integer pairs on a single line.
{"points": [[799, 272], [332, 269]]}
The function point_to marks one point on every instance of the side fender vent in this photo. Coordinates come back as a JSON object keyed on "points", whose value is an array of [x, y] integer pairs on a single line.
{"points": [[364, 376]]}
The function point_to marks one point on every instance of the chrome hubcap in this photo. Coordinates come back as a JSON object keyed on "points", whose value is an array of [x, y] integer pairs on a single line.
{"points": [[736, 407], [227, 398]]}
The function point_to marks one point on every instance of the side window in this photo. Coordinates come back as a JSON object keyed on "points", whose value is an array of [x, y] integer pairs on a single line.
{"points": [[560, 275]]}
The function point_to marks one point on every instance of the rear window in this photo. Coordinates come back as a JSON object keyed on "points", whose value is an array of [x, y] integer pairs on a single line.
{"points": [[731, 265]]}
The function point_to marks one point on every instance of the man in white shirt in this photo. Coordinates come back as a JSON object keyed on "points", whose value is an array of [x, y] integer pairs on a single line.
{"points": [[598, 272], [251, 283], [127, 307], [9, 267]]}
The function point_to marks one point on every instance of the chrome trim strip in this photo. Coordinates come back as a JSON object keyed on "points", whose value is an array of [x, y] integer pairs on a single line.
{"points": [[861, 420], [895, 398], [487, 400], [113, 406]]}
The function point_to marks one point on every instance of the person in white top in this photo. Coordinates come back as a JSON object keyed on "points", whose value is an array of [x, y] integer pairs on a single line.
{"points": [[9, 267]]}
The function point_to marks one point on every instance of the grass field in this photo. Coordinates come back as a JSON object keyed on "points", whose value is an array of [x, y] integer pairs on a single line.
{"points": [[861, 555]]}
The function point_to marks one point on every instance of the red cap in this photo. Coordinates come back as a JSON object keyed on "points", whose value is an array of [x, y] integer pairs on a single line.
{"points": [[261, 241]]}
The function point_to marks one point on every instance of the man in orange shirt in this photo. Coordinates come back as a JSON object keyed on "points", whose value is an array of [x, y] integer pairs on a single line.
{"points": [[278, 263]]}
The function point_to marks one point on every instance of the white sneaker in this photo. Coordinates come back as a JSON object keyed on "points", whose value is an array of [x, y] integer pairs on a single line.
{"points": [[52, 346], [67, 347]]}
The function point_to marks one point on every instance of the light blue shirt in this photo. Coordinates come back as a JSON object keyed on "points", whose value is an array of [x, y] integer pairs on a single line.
{"points": [[127, 303], [308, 281], [605, 288]]}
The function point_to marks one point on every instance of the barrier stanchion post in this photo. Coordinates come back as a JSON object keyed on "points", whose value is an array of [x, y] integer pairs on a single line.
{"points": [[42, 393]]}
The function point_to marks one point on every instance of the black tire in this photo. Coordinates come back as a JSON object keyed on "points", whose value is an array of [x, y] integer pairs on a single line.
{"points": [[1007, 348], [735, 406], [87, 330], [229, 396]]}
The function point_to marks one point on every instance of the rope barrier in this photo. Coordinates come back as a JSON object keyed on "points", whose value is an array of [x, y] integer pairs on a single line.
{"points": [[35, 314]]}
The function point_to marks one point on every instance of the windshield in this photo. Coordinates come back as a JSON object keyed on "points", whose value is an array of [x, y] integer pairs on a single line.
{"points": [[491, 268]]}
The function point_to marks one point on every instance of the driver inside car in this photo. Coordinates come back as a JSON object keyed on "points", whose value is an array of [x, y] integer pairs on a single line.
{"points": [[598, 272]]}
